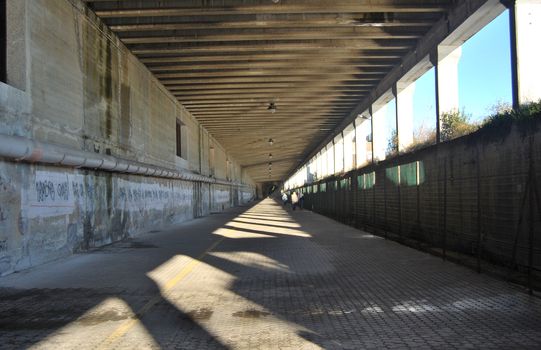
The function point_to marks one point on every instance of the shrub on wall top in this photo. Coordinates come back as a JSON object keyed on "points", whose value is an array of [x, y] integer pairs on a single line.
{"points": [[454, 124]]}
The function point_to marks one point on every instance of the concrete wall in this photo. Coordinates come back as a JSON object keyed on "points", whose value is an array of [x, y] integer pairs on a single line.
{"points": [[71, 82], [467, 195]]}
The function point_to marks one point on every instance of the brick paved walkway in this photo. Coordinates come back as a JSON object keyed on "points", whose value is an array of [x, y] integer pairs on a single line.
{"points": [[262, 278]]}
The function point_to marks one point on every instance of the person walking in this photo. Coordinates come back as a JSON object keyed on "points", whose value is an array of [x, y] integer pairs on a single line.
{"points": [[301, 200], [284, 198], [294, 200]]}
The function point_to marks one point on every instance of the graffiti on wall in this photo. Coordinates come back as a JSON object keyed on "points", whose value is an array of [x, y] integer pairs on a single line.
{"points": [[246, 196], [53, 194], [57, 194], [221, 196], [146, 196]]}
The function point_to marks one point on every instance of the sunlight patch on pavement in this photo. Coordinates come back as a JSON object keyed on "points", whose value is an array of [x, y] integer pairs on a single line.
{"points": [[267, 222], [94, 323], [264, 229], [237, 234], [252, 260]]}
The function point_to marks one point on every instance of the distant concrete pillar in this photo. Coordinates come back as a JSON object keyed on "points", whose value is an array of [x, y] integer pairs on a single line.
{"points": [[525, 22], [322, 166], [343, 152], [446, 62], [318, 166], [339, 162], [403, 93], [363, 145], [355, 142], [332, 162], [447, 70], [379, 145], [371, 141], [330, 158]]}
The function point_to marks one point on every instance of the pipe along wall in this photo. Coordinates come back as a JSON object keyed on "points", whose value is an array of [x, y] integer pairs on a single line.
{"points": [[49, 211], [56, 200], [88, 142], [476, 195]]}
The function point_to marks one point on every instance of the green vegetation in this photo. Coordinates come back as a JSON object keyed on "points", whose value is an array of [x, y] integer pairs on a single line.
{"points": [[455, 124], [392, 143], [504, 114], [423, 137], [499, 124]]}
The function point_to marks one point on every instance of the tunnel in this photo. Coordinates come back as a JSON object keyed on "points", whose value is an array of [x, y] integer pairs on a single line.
{"points": [[270, 174]]}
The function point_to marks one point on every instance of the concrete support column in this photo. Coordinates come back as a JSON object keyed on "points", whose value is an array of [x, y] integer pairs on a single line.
{"points": [[362, 143], [317, 173], [355, 143], [343, 152], [403, 93], [525, 22], [311, 174], [379, 144], [324, 163], [331, 159], [446, 63], [339, 153], [371, 140], [447, 71], [320, 166], [324, 167]]}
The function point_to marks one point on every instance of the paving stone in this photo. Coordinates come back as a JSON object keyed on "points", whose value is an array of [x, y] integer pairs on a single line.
{"points": [[274, 279]]}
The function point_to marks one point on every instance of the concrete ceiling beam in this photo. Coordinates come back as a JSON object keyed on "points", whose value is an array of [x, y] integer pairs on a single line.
{"points": [[189, 8], [333, 21], [324, 56]]}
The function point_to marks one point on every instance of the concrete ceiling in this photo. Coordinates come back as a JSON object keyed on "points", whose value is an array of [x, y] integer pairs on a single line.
{"points": [[227, 60]]}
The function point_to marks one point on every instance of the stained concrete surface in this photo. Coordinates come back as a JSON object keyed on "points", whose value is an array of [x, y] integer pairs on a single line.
{"points": [[73, 84], [262, 278]]}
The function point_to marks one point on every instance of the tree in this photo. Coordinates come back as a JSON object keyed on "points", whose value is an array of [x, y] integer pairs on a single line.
{"points": [[500, 107], [392, 144], [454, 124], [423, 136]]}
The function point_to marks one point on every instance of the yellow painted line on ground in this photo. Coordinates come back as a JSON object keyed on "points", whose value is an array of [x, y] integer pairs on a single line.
{"points": [[124, 328]]}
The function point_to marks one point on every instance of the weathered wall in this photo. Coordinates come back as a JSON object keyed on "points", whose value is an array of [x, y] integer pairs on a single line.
{"points": [[88, 91], [47, 211], [467, 195], [73, 83], [221, 198]]}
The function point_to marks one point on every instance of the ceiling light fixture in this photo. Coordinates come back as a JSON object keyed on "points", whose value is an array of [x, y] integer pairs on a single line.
{"points": [[272, 107], [271, 142], [270, 155]]}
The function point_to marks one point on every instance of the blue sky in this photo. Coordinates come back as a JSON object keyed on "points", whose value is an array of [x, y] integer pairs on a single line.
{"points": [[484, 70], [484, 74], [424, 101]]}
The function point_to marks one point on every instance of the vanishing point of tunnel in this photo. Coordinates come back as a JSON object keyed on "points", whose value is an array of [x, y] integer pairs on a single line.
{"points": [[270, 174]]}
